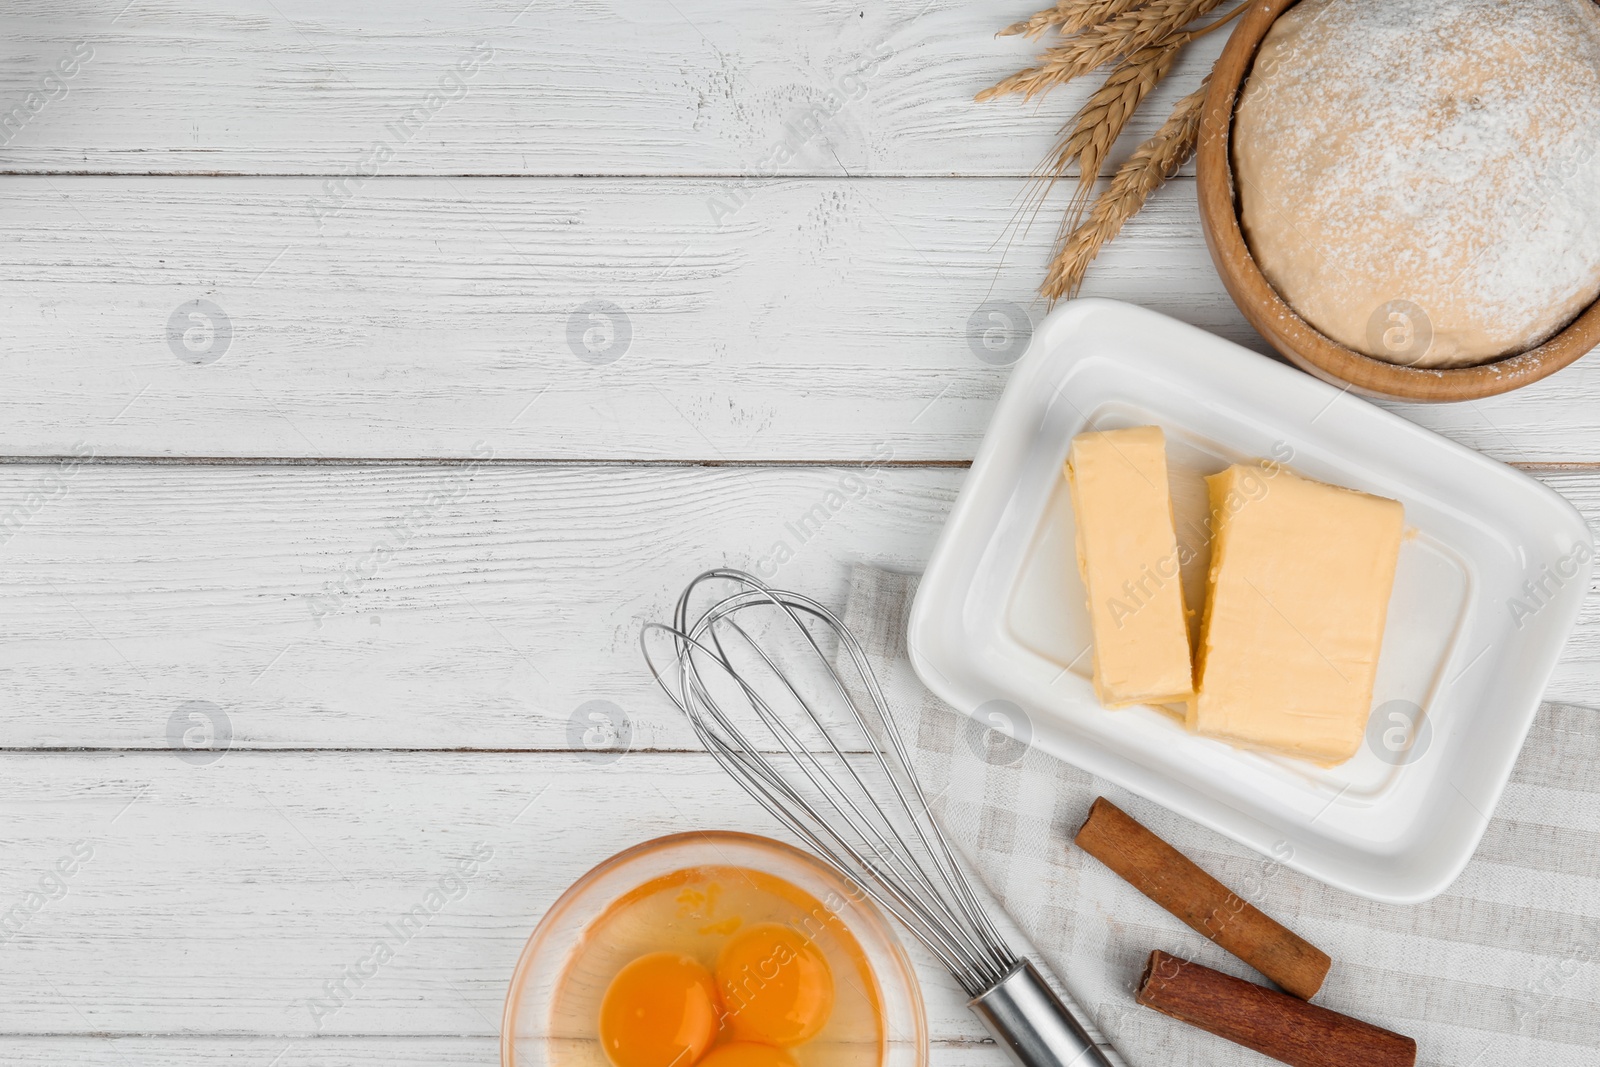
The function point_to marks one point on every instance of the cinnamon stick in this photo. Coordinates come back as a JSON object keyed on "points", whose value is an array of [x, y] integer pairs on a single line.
{"points": [[1272, 1023], [1208, 907]]}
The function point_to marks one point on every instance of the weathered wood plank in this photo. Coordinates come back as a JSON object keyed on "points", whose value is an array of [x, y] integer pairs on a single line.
{"points": [[274, 1051], [435, 607], [513, 87], [575, 319], [431, 607], [219, 899]]}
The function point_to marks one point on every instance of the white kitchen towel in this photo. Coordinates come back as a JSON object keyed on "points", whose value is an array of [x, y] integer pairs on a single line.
{"points": [[1502, 968]]}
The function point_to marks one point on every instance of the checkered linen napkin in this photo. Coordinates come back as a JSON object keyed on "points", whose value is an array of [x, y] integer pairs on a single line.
{"points": [[1502, 968]]}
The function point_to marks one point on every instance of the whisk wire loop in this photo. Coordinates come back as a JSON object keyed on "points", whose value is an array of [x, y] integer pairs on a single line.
{"points": [[763, 781], [880, 833], [768, 785], [860, 820]]}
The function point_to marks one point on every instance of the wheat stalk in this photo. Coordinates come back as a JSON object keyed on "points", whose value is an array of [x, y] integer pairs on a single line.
{"points": [[1069, 16], [1088, 138], [1145, 42], [1101, 44], [1151, 164]]}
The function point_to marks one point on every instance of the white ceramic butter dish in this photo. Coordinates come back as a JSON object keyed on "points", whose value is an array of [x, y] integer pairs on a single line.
{"points": [[1491, 577]]}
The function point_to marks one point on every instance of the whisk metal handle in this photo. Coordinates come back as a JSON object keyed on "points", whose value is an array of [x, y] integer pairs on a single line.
{"points": [[1032, 1025]]}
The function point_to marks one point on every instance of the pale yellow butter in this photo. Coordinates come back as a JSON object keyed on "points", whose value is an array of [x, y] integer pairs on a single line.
{"points": [[1128, 557], [1297, 594]]}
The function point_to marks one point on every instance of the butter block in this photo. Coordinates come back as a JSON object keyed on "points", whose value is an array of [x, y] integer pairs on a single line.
{"points": [[1297, 594], [1128, 557]]}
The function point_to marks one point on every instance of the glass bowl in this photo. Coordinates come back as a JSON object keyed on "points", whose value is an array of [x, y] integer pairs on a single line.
{"points": [[533, 1035]]}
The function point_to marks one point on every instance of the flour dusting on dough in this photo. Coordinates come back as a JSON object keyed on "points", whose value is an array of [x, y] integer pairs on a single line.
{"points": [[1420, 179]]}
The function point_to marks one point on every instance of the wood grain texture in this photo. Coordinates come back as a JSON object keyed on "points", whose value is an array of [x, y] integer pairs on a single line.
{"points": [[198, 1050], [219, 899], [400, 607], [195, 1050], [425, 607], [605, 87], [436, 314]]}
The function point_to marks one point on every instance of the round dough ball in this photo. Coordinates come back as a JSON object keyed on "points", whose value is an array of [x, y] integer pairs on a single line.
{"points": [[1420, 179]]}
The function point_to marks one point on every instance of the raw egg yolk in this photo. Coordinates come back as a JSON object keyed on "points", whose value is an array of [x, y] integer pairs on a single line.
{"points": [[659, 1011], [775, 985], [747, 1054]]}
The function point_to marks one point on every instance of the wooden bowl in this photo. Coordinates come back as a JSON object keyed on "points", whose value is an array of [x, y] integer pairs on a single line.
{"points": [[1304, 345]]}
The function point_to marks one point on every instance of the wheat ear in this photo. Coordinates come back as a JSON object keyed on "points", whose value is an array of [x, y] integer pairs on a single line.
{"points": [[1151, 164], [1101, 44], [1069, 16], [1088, 138]]}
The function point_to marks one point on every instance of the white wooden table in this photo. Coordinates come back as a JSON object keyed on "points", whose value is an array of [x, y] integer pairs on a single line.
{"points": [[511, 317]]}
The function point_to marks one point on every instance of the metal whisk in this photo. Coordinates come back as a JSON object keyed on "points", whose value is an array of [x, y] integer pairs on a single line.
{"points": [[752, 672]]}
